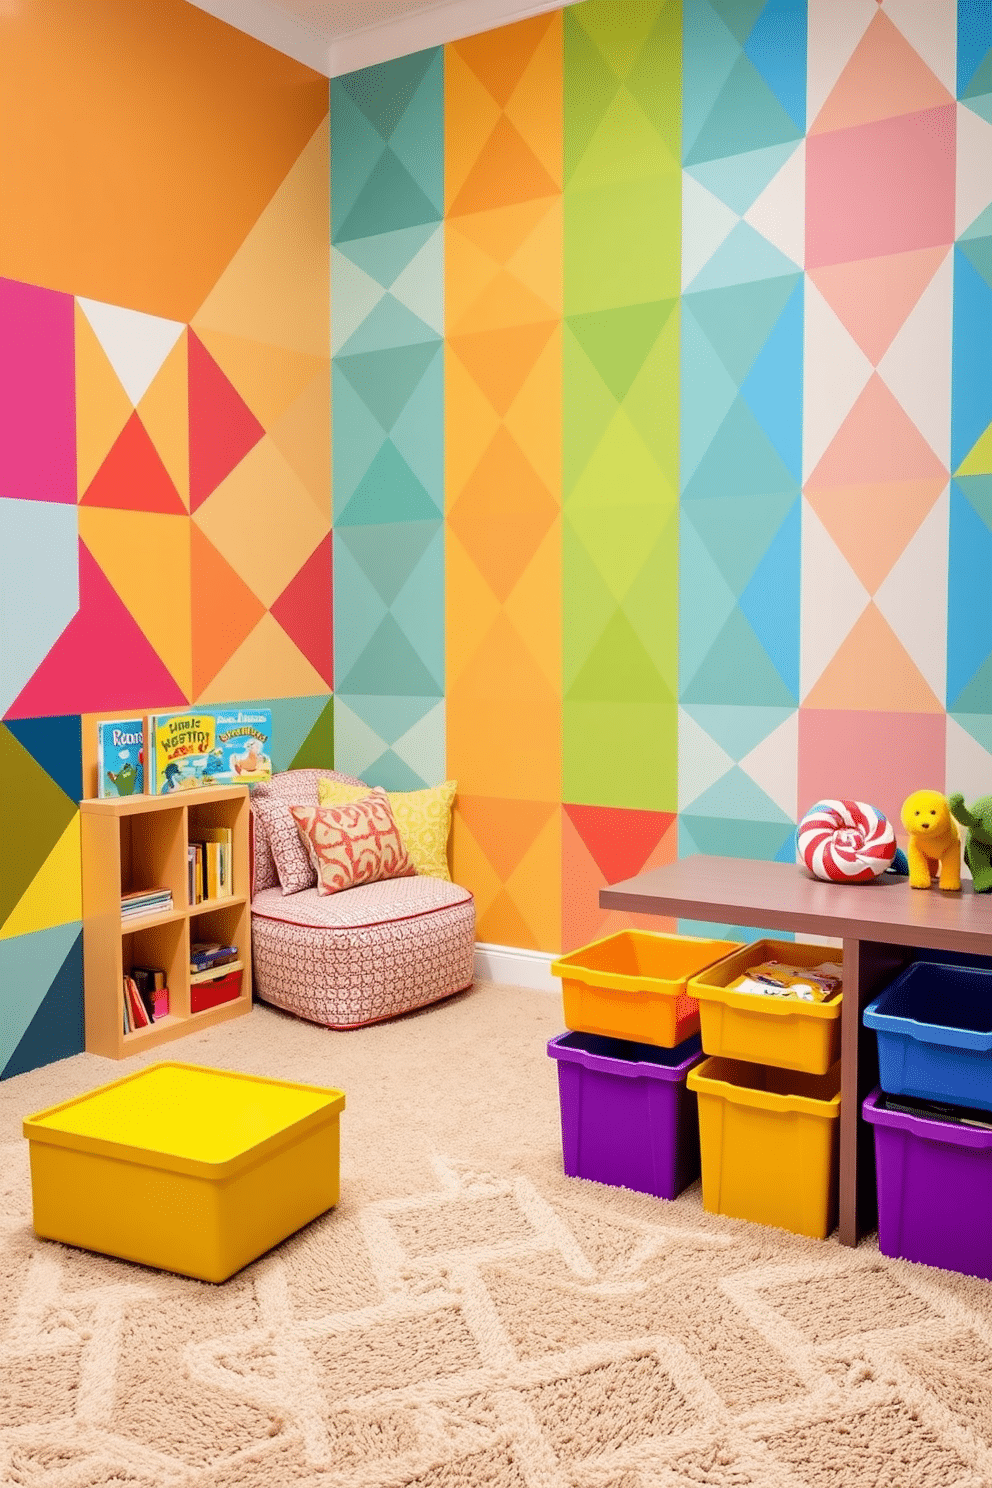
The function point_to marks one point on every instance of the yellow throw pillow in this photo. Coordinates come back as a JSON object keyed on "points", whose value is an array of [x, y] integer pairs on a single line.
{"points": [[423, 817]]}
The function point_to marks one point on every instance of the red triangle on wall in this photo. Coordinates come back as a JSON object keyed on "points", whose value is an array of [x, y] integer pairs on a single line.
{"points": [[304, 609], [619, 840], [132, 477], [222, 428], [101, 663]]}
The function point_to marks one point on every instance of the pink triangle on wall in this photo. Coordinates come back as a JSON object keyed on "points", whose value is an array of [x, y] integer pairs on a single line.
{"points": [[222, 428], [872, 297], [304, 609], [101, 663]]}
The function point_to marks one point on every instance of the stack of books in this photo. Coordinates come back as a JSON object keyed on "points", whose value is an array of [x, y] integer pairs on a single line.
{"points": [[209, 865], [208, 959], [140, 902], [146, 997]]}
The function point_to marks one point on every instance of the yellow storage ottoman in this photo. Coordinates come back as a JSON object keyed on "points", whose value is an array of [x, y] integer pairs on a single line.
{"points": [[767, 1030], [633, 985], [192, 1170], [769, 1142]]}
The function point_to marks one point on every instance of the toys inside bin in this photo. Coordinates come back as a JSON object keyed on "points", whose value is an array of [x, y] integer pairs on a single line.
{"points": [[794, 983]]}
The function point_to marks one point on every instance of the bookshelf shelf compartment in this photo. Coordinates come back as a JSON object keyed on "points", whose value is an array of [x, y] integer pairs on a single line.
{"points": [[136, 842]]}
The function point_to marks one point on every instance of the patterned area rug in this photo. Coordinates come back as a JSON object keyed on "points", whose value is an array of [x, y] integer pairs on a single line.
{"points": [[468, 1317]]}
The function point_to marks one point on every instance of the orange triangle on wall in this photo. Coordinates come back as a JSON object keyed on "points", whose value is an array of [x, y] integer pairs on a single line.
{"points": [[873, 297], [506, 172], [500, 58], [502, 923], [501, 361], [133, 478], [873, 672], [872, 546], [884, 78], [225, 611], [876, 444], [504, 829]]}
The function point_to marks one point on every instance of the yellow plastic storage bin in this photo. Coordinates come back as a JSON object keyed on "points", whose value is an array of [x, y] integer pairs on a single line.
{"points": [[767, 1030], [633, 985], [769, 1142], [192, 1170]]}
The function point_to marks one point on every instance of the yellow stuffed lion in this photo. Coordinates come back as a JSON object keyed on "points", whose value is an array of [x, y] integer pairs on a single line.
{"points": [[934, 848]]}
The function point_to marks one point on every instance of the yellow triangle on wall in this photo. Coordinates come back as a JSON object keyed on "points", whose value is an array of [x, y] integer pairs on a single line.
{"points": [[54, 895], [979, 458]]}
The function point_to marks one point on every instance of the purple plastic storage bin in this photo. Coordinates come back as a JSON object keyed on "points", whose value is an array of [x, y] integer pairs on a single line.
{"points": [[627, 1117], [934, 1190]]}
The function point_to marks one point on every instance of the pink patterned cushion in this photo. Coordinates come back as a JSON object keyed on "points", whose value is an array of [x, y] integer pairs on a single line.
{"points": [[291, 787], [292, 861], [357, 843]]}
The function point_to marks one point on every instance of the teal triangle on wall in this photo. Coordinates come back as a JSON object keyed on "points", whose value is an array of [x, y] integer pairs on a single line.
{"points": [[385, 379], [738, 180], [739, 318], [389, 199], [746, 116], [743, 257], [737, 669], [29, 966], [737, 728], [389, 664], [736, 796], [388, 492], [387, 553], [384, 91], [737, 532], [741, 461]]}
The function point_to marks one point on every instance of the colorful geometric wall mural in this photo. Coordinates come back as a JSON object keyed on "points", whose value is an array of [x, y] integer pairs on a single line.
{"points": [[503, 301], [165, 506], [662, 394], [773, 415], [387, 281]]}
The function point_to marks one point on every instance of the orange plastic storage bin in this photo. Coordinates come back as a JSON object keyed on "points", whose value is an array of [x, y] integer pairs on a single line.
{"points": [[633, 985], [768, 1030]]}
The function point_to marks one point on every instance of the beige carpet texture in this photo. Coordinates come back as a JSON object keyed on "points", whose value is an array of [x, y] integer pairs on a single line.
{"points": [[467, 1317]]}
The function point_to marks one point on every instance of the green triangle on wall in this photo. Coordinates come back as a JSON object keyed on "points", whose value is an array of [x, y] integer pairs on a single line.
{"points": [[390, 664], [655, 79], [317, 750], [618, 341], [619, 669], [589, 86], [619, 32], [624, 147]]}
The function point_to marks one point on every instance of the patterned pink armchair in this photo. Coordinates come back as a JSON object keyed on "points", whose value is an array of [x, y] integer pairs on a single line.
{"points": [[359, 956]]}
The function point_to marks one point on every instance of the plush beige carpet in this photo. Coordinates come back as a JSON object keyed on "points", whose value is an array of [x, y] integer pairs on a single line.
{"points": [[468, 1317]]}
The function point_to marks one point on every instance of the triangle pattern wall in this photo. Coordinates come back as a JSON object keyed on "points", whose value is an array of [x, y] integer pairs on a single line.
{"points": [[165, 538], [388, 388], [718, 501]]}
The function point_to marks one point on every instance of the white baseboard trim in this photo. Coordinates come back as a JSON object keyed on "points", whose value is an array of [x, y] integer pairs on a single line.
{"points": [[520, 968]]}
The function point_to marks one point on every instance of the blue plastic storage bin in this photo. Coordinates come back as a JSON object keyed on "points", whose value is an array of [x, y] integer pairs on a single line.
{"points": [[934, 1027]]}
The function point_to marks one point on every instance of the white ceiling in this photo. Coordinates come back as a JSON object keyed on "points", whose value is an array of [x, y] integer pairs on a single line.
{"points": [[336, 36]]}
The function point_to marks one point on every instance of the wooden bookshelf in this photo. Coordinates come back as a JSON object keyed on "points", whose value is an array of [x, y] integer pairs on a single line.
{"points": [[140, 842]]}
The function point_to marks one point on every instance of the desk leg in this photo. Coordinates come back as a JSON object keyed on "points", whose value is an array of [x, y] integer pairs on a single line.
{"points": [[868, 967]]}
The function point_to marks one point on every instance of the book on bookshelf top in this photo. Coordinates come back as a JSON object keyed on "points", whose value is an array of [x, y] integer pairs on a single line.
{"points": [[120, 752]]}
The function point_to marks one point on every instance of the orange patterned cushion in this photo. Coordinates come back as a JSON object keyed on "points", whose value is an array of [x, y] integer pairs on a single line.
{"points": [[353, 844]]}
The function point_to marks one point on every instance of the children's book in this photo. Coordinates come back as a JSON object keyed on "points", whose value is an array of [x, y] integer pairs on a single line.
{"points": [[210, 746], [121, 757]]}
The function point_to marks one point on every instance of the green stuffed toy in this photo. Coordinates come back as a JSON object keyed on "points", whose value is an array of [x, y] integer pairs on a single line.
{"points": [[978, 848]]}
